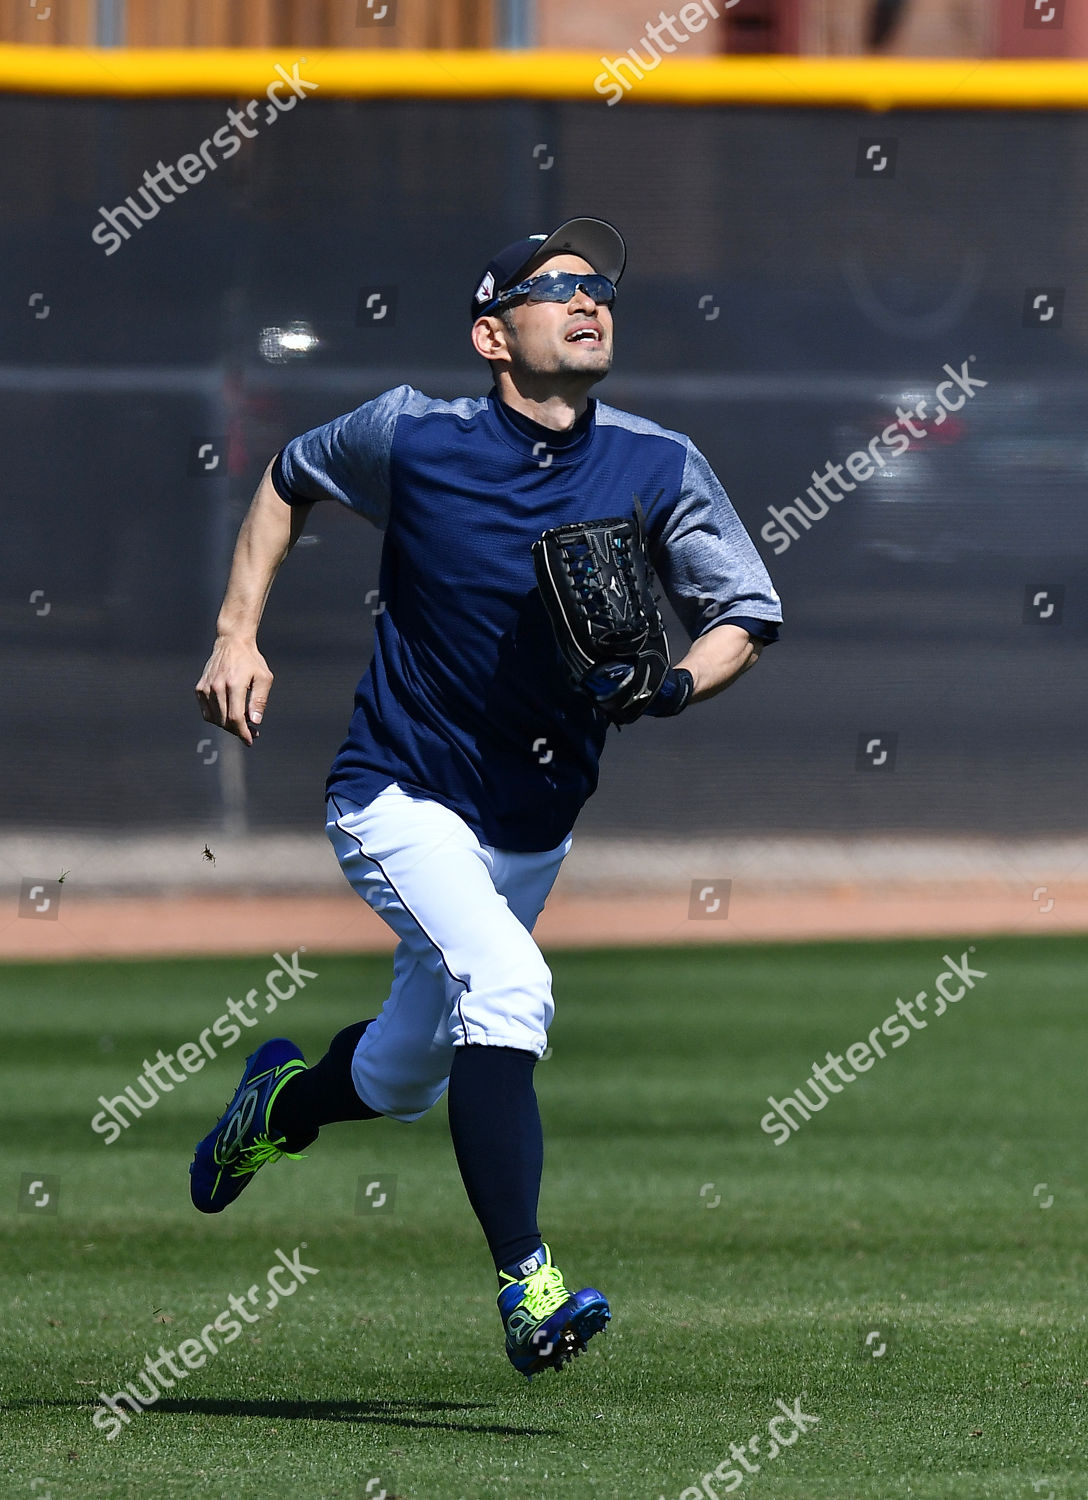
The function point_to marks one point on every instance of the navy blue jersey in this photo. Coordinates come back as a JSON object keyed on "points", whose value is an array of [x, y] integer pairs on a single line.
{"points": [[466, 700]]}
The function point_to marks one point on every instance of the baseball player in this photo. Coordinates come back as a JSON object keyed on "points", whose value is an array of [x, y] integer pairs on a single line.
{"points": [[474, 744]]}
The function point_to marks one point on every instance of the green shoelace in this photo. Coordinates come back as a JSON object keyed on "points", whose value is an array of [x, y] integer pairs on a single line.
{"points": [[262, 1151], [544, 1292]]}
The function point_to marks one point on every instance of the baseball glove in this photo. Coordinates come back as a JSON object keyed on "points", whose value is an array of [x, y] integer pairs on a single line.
{"points": [[597, 586]]}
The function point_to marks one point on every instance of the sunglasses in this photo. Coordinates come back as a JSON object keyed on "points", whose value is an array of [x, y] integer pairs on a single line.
{"points": [[558, 286]]}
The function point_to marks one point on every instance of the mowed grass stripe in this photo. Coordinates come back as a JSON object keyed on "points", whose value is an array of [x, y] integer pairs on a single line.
{"points": [[908, 1203]]}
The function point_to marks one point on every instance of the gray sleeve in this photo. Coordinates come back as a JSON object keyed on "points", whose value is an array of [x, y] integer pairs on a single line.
{"points": [[347, 459], [707, 562]]}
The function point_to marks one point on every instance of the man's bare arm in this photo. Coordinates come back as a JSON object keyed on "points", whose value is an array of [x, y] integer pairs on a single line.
{"points": [[233, 690], [718, 658]]}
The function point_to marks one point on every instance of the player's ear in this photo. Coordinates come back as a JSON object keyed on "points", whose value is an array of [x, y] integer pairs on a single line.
{"points": [[489, 337]]}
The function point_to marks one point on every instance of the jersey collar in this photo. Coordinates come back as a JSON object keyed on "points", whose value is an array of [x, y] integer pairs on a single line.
{"points": [[535, 440]]}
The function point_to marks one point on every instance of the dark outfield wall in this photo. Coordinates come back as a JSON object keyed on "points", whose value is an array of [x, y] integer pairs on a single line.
{"points": [[794, 276]]}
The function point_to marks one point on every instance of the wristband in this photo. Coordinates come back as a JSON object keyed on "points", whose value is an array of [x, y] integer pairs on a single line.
{"points": [[673, 695]]}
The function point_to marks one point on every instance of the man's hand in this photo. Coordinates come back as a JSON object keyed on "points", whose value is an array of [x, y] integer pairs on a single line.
{"points": [[233, 692]]}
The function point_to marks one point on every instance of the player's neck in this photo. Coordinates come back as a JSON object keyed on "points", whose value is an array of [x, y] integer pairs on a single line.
{"points": [[558, 410]]}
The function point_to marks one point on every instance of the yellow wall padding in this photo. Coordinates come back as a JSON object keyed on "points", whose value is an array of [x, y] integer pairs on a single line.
{"points": [[860, 83]]}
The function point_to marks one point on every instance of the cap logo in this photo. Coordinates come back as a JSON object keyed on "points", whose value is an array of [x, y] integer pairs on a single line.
{"points": [[486, 290]]}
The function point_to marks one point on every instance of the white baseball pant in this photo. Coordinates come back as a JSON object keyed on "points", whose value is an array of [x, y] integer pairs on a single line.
{"points": [[466, 969]]}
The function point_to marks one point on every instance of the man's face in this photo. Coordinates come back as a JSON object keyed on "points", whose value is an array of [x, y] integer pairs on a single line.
{"points": [[560, 338]]}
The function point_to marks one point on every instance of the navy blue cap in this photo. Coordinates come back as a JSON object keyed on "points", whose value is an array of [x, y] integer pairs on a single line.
{"points": [[595, 240]]}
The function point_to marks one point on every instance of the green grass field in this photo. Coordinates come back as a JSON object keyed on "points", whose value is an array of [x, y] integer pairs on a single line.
{"points": [[938, 1202]]}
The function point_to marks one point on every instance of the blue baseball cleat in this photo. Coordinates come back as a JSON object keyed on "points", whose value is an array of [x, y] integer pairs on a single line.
{"points": [[546, 1326], [241, 1143]]}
